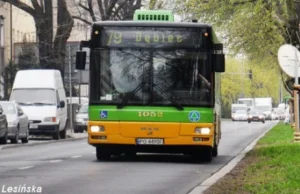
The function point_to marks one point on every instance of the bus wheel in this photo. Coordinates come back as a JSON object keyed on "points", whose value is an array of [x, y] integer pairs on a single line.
{"points": [[102, 154], [203, 155], [215, 150], [207, 155]]}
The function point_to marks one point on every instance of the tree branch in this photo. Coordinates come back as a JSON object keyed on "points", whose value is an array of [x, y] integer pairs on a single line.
{"points": [[91, 10], [23, 6], [83, 7], [83, 20], [101, 9], [36, 5]]}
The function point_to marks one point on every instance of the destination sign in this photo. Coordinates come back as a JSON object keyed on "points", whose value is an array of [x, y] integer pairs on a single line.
{"points": [[149, 37]]}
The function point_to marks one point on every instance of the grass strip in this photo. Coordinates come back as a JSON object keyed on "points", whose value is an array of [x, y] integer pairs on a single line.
{"points": [[273, 166]]}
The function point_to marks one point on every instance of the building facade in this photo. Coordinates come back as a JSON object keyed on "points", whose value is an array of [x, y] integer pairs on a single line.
{"points": [[21, 26]]}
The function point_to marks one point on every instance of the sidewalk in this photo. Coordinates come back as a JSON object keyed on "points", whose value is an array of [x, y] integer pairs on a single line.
{"points": [[71, 134]]}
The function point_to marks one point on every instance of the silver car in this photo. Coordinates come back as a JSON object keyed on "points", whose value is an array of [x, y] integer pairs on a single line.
{"points": [[17, 122], [81, 119]]}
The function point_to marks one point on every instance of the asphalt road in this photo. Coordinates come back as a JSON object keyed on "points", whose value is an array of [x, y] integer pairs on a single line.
{"points": [[71, 167]]}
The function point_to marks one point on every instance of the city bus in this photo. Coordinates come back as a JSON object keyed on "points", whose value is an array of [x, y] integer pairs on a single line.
{"points": [[154, 86]]}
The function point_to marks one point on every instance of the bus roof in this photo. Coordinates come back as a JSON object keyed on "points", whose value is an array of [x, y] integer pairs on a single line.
{"points": [[150, 24]]}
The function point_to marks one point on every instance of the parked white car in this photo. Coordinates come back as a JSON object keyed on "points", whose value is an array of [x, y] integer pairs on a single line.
{"points": [[17, 122]]}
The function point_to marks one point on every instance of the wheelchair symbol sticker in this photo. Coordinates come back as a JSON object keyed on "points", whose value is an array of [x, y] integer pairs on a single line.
{"points": [[103, 114]]}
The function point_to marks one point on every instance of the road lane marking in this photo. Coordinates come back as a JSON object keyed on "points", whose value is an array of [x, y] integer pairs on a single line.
{"points": [[25, 167], [77, 156], [54, 161]]}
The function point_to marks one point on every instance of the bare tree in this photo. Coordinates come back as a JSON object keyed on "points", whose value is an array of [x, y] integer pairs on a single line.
{"points": [[107, 10], [51, 48]]}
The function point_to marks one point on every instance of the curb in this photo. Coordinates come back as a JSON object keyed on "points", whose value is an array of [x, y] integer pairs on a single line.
{"points": [[43, 143], [227, 168]]}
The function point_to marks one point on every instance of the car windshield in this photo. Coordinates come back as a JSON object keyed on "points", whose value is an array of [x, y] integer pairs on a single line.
{"points": [[84, 109], [235, 109], [255, 112], [247, 102], [153, 77], [34, 96], [264, 108], [241, 112], [8, 108]]}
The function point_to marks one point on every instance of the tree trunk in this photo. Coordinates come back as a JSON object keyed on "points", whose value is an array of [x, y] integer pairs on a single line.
{"points": [[44, 27], [65, 24]]}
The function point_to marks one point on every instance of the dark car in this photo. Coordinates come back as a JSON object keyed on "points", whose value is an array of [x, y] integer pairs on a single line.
{"points": [[3, 127], [256, 115]]}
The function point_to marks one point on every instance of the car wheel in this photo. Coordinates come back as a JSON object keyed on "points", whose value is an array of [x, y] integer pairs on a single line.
{"points": [[56, 135], [3, 140], [63, 133], [26, 138], [16, 139]]}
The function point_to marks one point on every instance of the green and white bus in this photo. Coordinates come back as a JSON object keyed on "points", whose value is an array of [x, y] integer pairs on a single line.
{"points": [[154, 86]]}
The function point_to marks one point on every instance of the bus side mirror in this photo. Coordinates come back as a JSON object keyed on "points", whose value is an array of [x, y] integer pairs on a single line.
{"points": [[80, 60], [219, 63]]}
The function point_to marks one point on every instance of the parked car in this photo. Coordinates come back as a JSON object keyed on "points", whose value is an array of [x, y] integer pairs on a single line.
{"points": [[17, 122], [256, 115], [240, 115], [3, 127], [81, 119]]}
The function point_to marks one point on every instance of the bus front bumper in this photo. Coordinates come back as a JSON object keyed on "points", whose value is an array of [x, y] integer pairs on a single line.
{"points": [[150, 134]]}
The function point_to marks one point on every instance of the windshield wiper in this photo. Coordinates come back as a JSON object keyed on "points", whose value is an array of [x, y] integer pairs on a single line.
{"points": [[43, 103], [25, 103], [125, 100], [171, 98]]}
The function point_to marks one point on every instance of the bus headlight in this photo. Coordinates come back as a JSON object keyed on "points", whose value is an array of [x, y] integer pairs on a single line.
{"points": [[204, 130], [97, 129]]}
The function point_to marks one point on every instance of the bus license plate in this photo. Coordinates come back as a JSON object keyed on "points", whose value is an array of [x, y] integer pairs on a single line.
{"points": [[150, 141]]}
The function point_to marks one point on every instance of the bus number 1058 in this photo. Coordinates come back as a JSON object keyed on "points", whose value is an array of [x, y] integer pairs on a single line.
{"points": [[150, 114]]}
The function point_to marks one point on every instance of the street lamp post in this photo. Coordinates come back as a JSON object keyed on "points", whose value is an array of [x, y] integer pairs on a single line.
{"points": [[70, 89]]}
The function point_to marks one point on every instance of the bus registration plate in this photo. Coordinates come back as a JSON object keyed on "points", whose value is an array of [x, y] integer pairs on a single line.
{"points": [[141, 141]]}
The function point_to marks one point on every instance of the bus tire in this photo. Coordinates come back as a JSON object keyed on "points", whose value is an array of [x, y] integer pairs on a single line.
{"points": [[204, 155], [215, 150], [102, 154], [207, 155]]}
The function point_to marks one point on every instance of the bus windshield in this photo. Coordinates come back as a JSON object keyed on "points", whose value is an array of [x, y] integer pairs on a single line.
{"points": [[153, 77]]}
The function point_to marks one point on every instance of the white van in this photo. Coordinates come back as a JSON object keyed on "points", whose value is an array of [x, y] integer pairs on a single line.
{"points": [[42, 96]]}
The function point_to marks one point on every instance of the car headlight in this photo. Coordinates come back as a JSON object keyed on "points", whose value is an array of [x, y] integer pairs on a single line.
{"points": [[97, 129], [50, 119], [204, 130]]}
